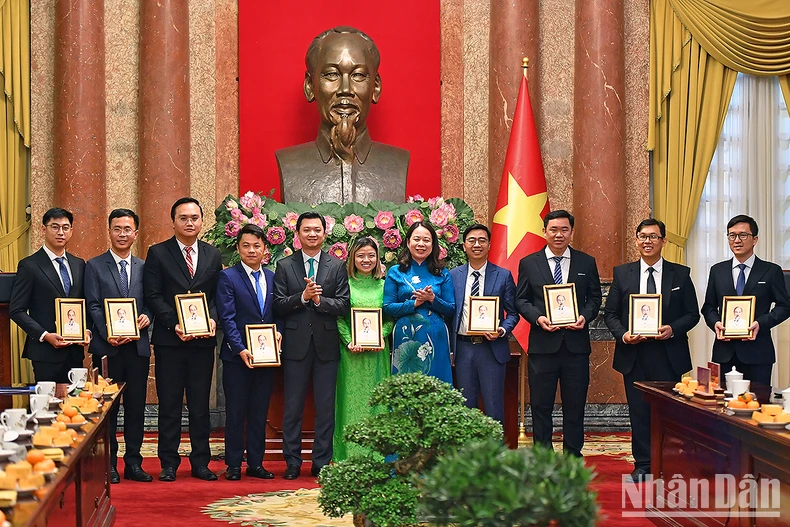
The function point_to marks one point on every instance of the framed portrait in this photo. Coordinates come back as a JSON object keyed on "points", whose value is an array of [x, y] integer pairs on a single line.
{"points": [[70, 318], [715, 374], [561, 308], [366, 328], [644, 315], [121, 317], [483, 315], [262, 343], [193, 316], [737, 314]]}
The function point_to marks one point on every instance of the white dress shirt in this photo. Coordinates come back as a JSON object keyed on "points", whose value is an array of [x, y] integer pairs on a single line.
{"points": [[128, 261], [468, 292], [194, 253], [644, 274], [565, 264], [52, 257], [261, 280], [735, 269]]}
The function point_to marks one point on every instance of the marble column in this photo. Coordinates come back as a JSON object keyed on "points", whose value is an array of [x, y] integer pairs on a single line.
{"points": [[599, 132], [164, 138], [79, 125], [514, 35]]}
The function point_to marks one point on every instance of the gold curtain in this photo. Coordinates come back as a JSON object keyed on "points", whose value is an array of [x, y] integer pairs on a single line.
{"points": [[697, 48], [15, 145]]}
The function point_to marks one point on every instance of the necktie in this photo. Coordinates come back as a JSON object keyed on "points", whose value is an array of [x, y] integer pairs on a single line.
{"points": [[476, 283], [557, 269], [651, 281], [64, 274], [258, 291], [311, 270], [740, 285], [124, 280], [190, 265]]}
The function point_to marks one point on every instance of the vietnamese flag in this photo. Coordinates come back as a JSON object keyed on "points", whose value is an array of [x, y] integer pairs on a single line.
{"points": [[522, 201]]}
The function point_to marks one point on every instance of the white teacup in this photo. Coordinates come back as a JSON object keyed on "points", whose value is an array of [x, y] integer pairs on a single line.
{"points": [[45, 388], [14, 419], [78, 376], [39, 403], [738, 386]]}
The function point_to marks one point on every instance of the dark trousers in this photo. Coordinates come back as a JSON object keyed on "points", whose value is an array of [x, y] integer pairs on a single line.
{"points": [[128, 367], [247, 394], [297, 374], [179, 369], [56, 371], [759, 373], [652, 364], [477, 372], [572, 371]]}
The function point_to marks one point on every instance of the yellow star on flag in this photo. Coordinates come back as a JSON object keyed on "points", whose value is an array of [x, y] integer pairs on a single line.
{"points": [[521, 214]]}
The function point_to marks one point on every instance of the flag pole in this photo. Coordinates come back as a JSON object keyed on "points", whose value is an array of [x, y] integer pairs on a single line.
{"points": [[523, 440]]}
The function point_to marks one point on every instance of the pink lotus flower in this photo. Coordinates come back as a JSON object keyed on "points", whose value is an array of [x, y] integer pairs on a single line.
{"points": [[451, 233], [232, 228], [330, 224], [248, 200], [257, 201], [354, 223], [415, 198], [413, 216], [231, 204], [275, 235], [297, 243], [384, 220], [259, 220], [439, 217], [236, 214], [339, 250], [435, 202], [392, 239], [449, 209], [442, 253], [267, 255], [288, 251], [290, 220]]}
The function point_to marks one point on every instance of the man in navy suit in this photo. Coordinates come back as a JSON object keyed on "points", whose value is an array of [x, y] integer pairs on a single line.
{"points": [[745, 274], [639, 358], [45, 275], [558, 353], [119, 274], [245, 294], [183, 362], [480, 360]]}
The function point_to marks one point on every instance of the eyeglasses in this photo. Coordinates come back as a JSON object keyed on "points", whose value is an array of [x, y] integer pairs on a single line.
{"points": [[476, 241], [651, 237], [742, 235], [54, 227], [128, 231]]}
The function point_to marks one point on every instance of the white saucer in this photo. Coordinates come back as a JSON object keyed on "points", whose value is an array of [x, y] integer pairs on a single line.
{"points": [[46, 416], [76, 426], [5, 454], [23, 433], [772, 426], [10, 436]]}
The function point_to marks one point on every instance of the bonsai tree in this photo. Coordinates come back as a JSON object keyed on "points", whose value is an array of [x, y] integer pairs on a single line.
{"points": [[425, 418], [483, 484]]}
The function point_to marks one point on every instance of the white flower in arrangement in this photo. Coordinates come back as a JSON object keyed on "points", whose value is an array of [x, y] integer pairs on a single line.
{"points": [[424, 351], [415, 279]]}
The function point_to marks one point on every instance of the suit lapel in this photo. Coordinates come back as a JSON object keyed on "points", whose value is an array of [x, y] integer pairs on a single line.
{"points": [[136, 279], [297, 263], [179, 259], [546, 271], [248, 284], [43, 261], [757, 272], [201, 263], [491, 277], [634, 271], [323, 268], [76, 275], [112, 267], [572, 270], [267, 306], [667, 281]]}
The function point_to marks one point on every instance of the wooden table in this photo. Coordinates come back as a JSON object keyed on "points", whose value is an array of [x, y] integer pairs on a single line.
{"points": [[80, 493], [691, 443]]}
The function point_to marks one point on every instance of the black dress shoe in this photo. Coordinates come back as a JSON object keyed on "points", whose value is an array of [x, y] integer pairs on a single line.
{"points": [[639, 475], [203, 473], [136, 473], [315, 471], [167, 474], [292, 472], [114, 477], [259, 472], [234, 473]]}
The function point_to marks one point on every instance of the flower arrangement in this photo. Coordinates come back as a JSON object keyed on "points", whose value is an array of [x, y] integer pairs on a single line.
{"points": [[385, 221]]}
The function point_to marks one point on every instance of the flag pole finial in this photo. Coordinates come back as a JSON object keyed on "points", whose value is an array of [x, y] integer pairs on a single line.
{"points": [[525, 65]]}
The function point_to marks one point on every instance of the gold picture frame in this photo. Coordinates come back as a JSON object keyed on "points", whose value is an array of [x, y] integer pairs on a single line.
{"points": [[483, 315], [366, 324], [119, 323], [70, 319], [262, 344], [193, 315], [644, 315], [561, 308], [733, 308]]}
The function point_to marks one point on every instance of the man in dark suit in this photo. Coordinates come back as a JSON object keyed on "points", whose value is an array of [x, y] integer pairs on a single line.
{"points": [[745, 274], [245, 295], [182, 362], [480, 360], [558, 353], [310, 293], [119, 274], [47, 274], [639, 358]]}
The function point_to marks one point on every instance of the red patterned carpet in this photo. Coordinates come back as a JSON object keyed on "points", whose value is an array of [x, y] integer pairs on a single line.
{"points": [[258, 503]]}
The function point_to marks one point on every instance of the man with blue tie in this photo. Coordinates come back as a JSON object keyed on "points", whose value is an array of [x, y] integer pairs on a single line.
{"points": [[45, 275], [244, 297], [745, 274], [480, 361], [119, 274]]}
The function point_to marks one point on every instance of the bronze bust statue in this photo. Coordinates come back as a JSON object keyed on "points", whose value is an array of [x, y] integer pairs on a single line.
{"points": [[343, 164]]}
